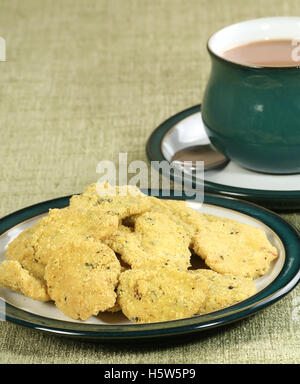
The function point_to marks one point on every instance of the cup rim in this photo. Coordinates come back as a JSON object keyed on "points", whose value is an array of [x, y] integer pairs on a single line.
{"points": [[251, 66]]}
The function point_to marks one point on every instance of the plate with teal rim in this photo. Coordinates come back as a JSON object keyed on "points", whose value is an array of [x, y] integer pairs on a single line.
{"points": [[186, 129], [282, 277]]}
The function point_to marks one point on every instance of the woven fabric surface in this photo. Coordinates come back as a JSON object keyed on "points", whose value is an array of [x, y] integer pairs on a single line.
{"points": [[86, 80]]}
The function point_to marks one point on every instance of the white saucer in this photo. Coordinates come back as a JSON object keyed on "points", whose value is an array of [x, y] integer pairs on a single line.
{"points": [[186, 129]]}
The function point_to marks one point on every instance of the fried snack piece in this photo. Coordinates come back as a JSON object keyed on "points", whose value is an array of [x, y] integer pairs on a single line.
{"points": [[81, 278], [16, 278], [178, 210], [33, 247], [124, 267], [127, 201], [163, 239], [155, 241], [163, 294], [228, 246], [127, 245], [223, 290], [86, 223], [22, 249]]}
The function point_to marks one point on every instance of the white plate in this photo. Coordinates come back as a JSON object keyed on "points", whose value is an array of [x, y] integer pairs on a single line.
{"points": [[281, 278]]}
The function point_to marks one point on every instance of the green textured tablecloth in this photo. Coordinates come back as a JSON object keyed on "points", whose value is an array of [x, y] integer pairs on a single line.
{"points": [[85, 80]]}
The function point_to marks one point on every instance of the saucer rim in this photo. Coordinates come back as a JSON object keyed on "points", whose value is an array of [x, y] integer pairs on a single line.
{"points": [[154, 153]]}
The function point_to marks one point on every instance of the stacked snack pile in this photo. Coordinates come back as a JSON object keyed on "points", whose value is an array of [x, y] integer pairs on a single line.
{"points": [[131, 252]]}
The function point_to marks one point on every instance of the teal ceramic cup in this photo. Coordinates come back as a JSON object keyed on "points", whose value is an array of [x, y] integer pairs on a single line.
{"points": [[252, 113]]}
